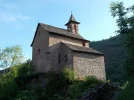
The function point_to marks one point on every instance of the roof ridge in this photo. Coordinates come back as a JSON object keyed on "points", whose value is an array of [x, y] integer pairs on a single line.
{"points": [[82, 48], [55, 27], [69, 32]]}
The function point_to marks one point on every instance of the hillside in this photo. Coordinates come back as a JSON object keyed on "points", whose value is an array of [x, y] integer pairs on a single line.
{"points": [[115, 55]]}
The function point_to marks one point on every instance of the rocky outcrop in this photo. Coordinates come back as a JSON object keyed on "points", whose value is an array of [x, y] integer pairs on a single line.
{"points": [[103, 92]]}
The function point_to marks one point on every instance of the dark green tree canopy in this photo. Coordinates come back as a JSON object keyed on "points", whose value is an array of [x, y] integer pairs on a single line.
{"points": [[125, 23]]}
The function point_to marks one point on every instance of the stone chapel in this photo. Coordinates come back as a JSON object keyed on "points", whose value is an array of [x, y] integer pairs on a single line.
{"points": [[55, 48]]}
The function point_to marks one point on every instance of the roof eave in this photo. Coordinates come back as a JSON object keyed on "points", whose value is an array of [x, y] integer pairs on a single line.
{"points": [[89, 52], [73, 22]]}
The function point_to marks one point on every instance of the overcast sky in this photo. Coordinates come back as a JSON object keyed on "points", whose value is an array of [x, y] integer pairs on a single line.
{"points": [[19, 19]]}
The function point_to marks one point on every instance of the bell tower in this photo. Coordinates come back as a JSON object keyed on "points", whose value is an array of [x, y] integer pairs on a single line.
{"points": [[72, 25]]}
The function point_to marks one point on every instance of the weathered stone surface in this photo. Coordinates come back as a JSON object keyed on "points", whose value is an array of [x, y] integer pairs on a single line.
{"points": [[89, 65], [49, 54], [54, 39]]}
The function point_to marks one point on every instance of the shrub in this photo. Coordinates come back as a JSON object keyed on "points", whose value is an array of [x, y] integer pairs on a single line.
{"points": [[26, 95], [21, 69], [128, 92], [8, 87], [23, 81], [92, 81], [79, 87], [69, 74], [75, 89], [57, 84], [57, 97]]}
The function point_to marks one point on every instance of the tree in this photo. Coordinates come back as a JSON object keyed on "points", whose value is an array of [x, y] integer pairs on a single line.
{"points": [[125, 23], [11, 56]]}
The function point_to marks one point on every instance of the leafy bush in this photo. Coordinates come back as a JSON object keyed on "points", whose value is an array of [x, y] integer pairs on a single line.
{"points": [[57, 84], [21, 69], [58, 97], [69, 74], [79, 87], [128, 92], [15, 85], [26, 95], [8, 87]]}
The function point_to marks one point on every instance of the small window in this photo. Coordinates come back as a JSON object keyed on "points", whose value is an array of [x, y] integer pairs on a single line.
{"points": [[69, 28], [39, 33], [75, 27], [47, 53], [83, 44], [38, 51], [59, 58]]}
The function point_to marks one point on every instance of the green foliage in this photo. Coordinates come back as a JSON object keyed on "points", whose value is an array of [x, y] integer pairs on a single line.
{"points": [[26, 95], [10, 56], [17, 84], [58, 97], [79, 87], [21, 69], [125, 23], [8, 87], [114, 61], [128, 92], [57, 84], [69, 74]]}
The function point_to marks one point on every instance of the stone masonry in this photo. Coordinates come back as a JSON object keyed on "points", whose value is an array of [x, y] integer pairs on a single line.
{"points": [[54, 49]]}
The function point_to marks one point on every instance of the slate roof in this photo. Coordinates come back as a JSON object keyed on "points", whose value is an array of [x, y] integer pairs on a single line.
{"points": [[82, 49], [72, 19], [60, 31]]}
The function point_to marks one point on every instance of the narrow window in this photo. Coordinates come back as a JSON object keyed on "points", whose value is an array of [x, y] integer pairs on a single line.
{"points": [[83, 44], [39, 33], [38, 51], [69, 28], [47, 53], [59, 58], [75, 27]]}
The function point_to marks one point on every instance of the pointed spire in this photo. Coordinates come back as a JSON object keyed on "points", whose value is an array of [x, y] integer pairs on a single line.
{"points": [[72, 19]]}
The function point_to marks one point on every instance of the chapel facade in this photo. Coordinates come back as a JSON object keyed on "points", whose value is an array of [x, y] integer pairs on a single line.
{"points": [[55, 48]]}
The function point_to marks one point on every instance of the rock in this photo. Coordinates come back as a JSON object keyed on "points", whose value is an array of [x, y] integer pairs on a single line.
{"points": [[103, 92]]}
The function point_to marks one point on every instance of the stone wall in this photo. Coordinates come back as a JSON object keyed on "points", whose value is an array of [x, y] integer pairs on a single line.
{"points": [[51, 47], [65, 60], [54, 57], [40, 46], [54, 39], [66, 56], [89, 65]]}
